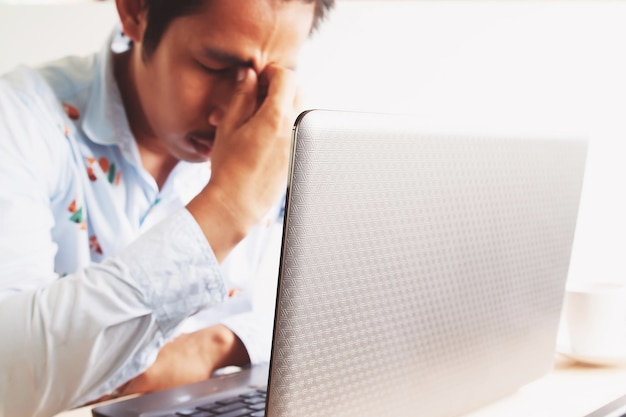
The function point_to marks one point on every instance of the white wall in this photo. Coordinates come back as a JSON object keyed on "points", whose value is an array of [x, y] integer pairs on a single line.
{"points": [[31, 34], [512, 66], [540, 66]]}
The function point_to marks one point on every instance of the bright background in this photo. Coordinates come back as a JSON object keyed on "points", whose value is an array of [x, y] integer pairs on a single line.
{"points": [[525, 66]]}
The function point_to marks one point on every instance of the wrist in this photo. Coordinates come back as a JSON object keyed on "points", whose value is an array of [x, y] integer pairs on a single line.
{"points": [[223, 223], [221, 347]]}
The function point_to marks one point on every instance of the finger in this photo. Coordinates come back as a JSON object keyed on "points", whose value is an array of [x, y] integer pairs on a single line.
{"points": [[262, 87], [298, 101], [282, 88], [298, 104], [243, 101]]}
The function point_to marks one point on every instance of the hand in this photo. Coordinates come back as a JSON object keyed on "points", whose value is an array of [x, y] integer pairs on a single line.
{"points": [[249, 159], [189, 358]]}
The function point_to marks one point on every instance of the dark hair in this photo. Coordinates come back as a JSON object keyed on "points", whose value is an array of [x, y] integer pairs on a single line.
{"points": [[160, 13]]}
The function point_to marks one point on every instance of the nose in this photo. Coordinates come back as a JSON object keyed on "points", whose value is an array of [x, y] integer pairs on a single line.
{"points": [[215, 116], [220, 98]]}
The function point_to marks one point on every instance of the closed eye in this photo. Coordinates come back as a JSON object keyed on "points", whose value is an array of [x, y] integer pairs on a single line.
{"points": [[216, 71]]}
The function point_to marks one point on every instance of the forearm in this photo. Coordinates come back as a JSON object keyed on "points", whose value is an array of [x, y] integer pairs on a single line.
{"points": [[189, 358], [86, 334], [222, 226], [249, 159]]}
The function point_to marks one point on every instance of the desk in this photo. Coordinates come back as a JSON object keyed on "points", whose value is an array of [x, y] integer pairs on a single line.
{"points": [[570, 390]]}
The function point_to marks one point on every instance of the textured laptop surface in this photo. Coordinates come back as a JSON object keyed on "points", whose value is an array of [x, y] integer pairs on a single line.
{"points": [[421, 275]]}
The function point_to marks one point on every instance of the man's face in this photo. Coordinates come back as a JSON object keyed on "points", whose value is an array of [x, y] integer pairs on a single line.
{"points": [[186, 85]]}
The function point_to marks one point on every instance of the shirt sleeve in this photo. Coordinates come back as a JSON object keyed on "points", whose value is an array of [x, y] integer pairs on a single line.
{"points": [[66, 341], [82, 336]]}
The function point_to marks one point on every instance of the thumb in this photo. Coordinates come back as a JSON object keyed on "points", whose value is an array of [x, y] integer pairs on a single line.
{"points": [[243, 102]]}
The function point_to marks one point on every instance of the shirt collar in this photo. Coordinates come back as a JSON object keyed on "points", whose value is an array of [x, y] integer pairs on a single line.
{"points": [[105, 120]]}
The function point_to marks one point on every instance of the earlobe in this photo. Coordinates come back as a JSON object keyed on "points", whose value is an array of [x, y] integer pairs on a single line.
{"points": [[132, 15]]}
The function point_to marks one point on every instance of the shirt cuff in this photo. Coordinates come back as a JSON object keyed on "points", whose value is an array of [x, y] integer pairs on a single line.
{"points": [[176, 269]]}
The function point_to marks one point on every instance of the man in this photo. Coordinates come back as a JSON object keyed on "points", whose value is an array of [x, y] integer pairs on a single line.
{"points": [[136, 190]]}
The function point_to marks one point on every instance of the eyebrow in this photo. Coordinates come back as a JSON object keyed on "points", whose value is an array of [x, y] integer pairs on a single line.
{"points": [[227, 57], [231, 59]]}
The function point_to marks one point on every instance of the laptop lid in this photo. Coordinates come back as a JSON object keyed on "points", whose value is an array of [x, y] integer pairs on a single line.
{"points": [[421, 273]]}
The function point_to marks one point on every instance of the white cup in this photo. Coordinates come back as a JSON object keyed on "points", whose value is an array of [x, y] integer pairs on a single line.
{"points": [[594, 317]]}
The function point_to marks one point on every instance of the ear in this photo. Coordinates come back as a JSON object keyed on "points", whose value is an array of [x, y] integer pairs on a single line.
{"points": [[132, 17]]}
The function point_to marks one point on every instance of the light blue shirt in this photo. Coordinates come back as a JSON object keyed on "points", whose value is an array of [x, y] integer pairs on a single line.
{"points": [[98, 267]]}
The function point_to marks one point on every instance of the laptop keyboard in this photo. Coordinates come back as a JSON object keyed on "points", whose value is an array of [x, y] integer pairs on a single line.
{"points": [[249, 404]]}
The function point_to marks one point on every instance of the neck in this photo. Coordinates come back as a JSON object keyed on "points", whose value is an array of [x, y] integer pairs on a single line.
{"points": [[155, 158], [158, 166]]}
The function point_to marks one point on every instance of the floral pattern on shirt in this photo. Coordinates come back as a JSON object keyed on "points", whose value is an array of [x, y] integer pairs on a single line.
{"points": [[113, 175], [71, 111], [77, 216], [94, 245]]}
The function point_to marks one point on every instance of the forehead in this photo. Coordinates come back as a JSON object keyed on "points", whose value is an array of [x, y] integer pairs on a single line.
{"points": [[256, 31]]}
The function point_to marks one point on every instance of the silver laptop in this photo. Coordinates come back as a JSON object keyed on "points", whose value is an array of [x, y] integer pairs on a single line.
{"points": [[422, 274]]}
